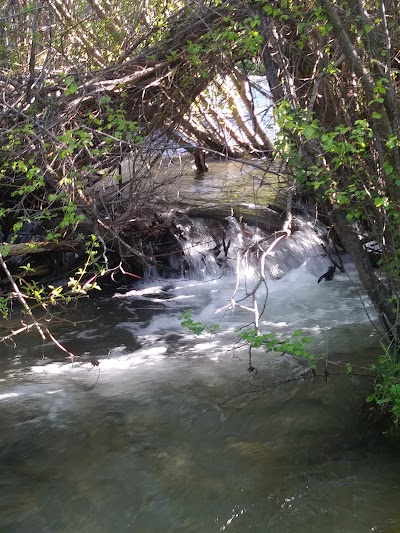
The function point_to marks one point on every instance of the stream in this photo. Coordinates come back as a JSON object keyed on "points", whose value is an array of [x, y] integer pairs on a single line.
{"points": [[169, 432]]}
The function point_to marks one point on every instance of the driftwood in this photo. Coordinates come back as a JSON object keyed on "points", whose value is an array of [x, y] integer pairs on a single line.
{"points": [[12, 250]]}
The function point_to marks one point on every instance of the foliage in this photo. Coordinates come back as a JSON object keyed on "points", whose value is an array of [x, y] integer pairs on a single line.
{"points": [[78, 35], [196, 327], [295, 344], [386, 393], [341, 176], [44, 198], [37, 205]]}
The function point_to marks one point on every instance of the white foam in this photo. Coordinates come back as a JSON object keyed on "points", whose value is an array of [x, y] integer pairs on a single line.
{"points": [[7, 395]]}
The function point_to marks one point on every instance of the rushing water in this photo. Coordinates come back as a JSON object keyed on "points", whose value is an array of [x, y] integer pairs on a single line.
{"points": [[171, 433]]}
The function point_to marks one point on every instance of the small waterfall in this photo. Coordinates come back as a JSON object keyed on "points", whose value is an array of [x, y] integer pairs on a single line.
{"points": [[201, 241], [212, 246]]}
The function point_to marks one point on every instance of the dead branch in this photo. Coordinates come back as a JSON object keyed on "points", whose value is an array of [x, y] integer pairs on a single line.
{"points": [[37, 247], [21, 298]]}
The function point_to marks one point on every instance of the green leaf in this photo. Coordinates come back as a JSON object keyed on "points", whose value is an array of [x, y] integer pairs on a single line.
{"points": [[382, 201], [5, 250], [388, 168]]}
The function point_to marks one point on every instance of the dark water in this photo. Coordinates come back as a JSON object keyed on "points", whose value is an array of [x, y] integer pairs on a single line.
{"points": [[169, 436]]}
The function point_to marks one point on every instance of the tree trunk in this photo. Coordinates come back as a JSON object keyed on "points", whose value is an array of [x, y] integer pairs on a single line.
{"points": [[375, 287]]}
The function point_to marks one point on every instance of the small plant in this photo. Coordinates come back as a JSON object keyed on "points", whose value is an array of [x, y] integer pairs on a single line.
{"points": [[196, 327], [295, 344], [386, 395]]}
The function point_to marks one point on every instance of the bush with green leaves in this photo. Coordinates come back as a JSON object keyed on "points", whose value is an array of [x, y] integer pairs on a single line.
{"points": [[386, 395]]}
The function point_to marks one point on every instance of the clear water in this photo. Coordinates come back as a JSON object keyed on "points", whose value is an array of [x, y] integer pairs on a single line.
{"points": [[167, 433], [227, 183]]}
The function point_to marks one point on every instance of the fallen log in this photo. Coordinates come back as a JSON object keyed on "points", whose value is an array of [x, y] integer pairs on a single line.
{"points": [[266, 218], [37, 247]]}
